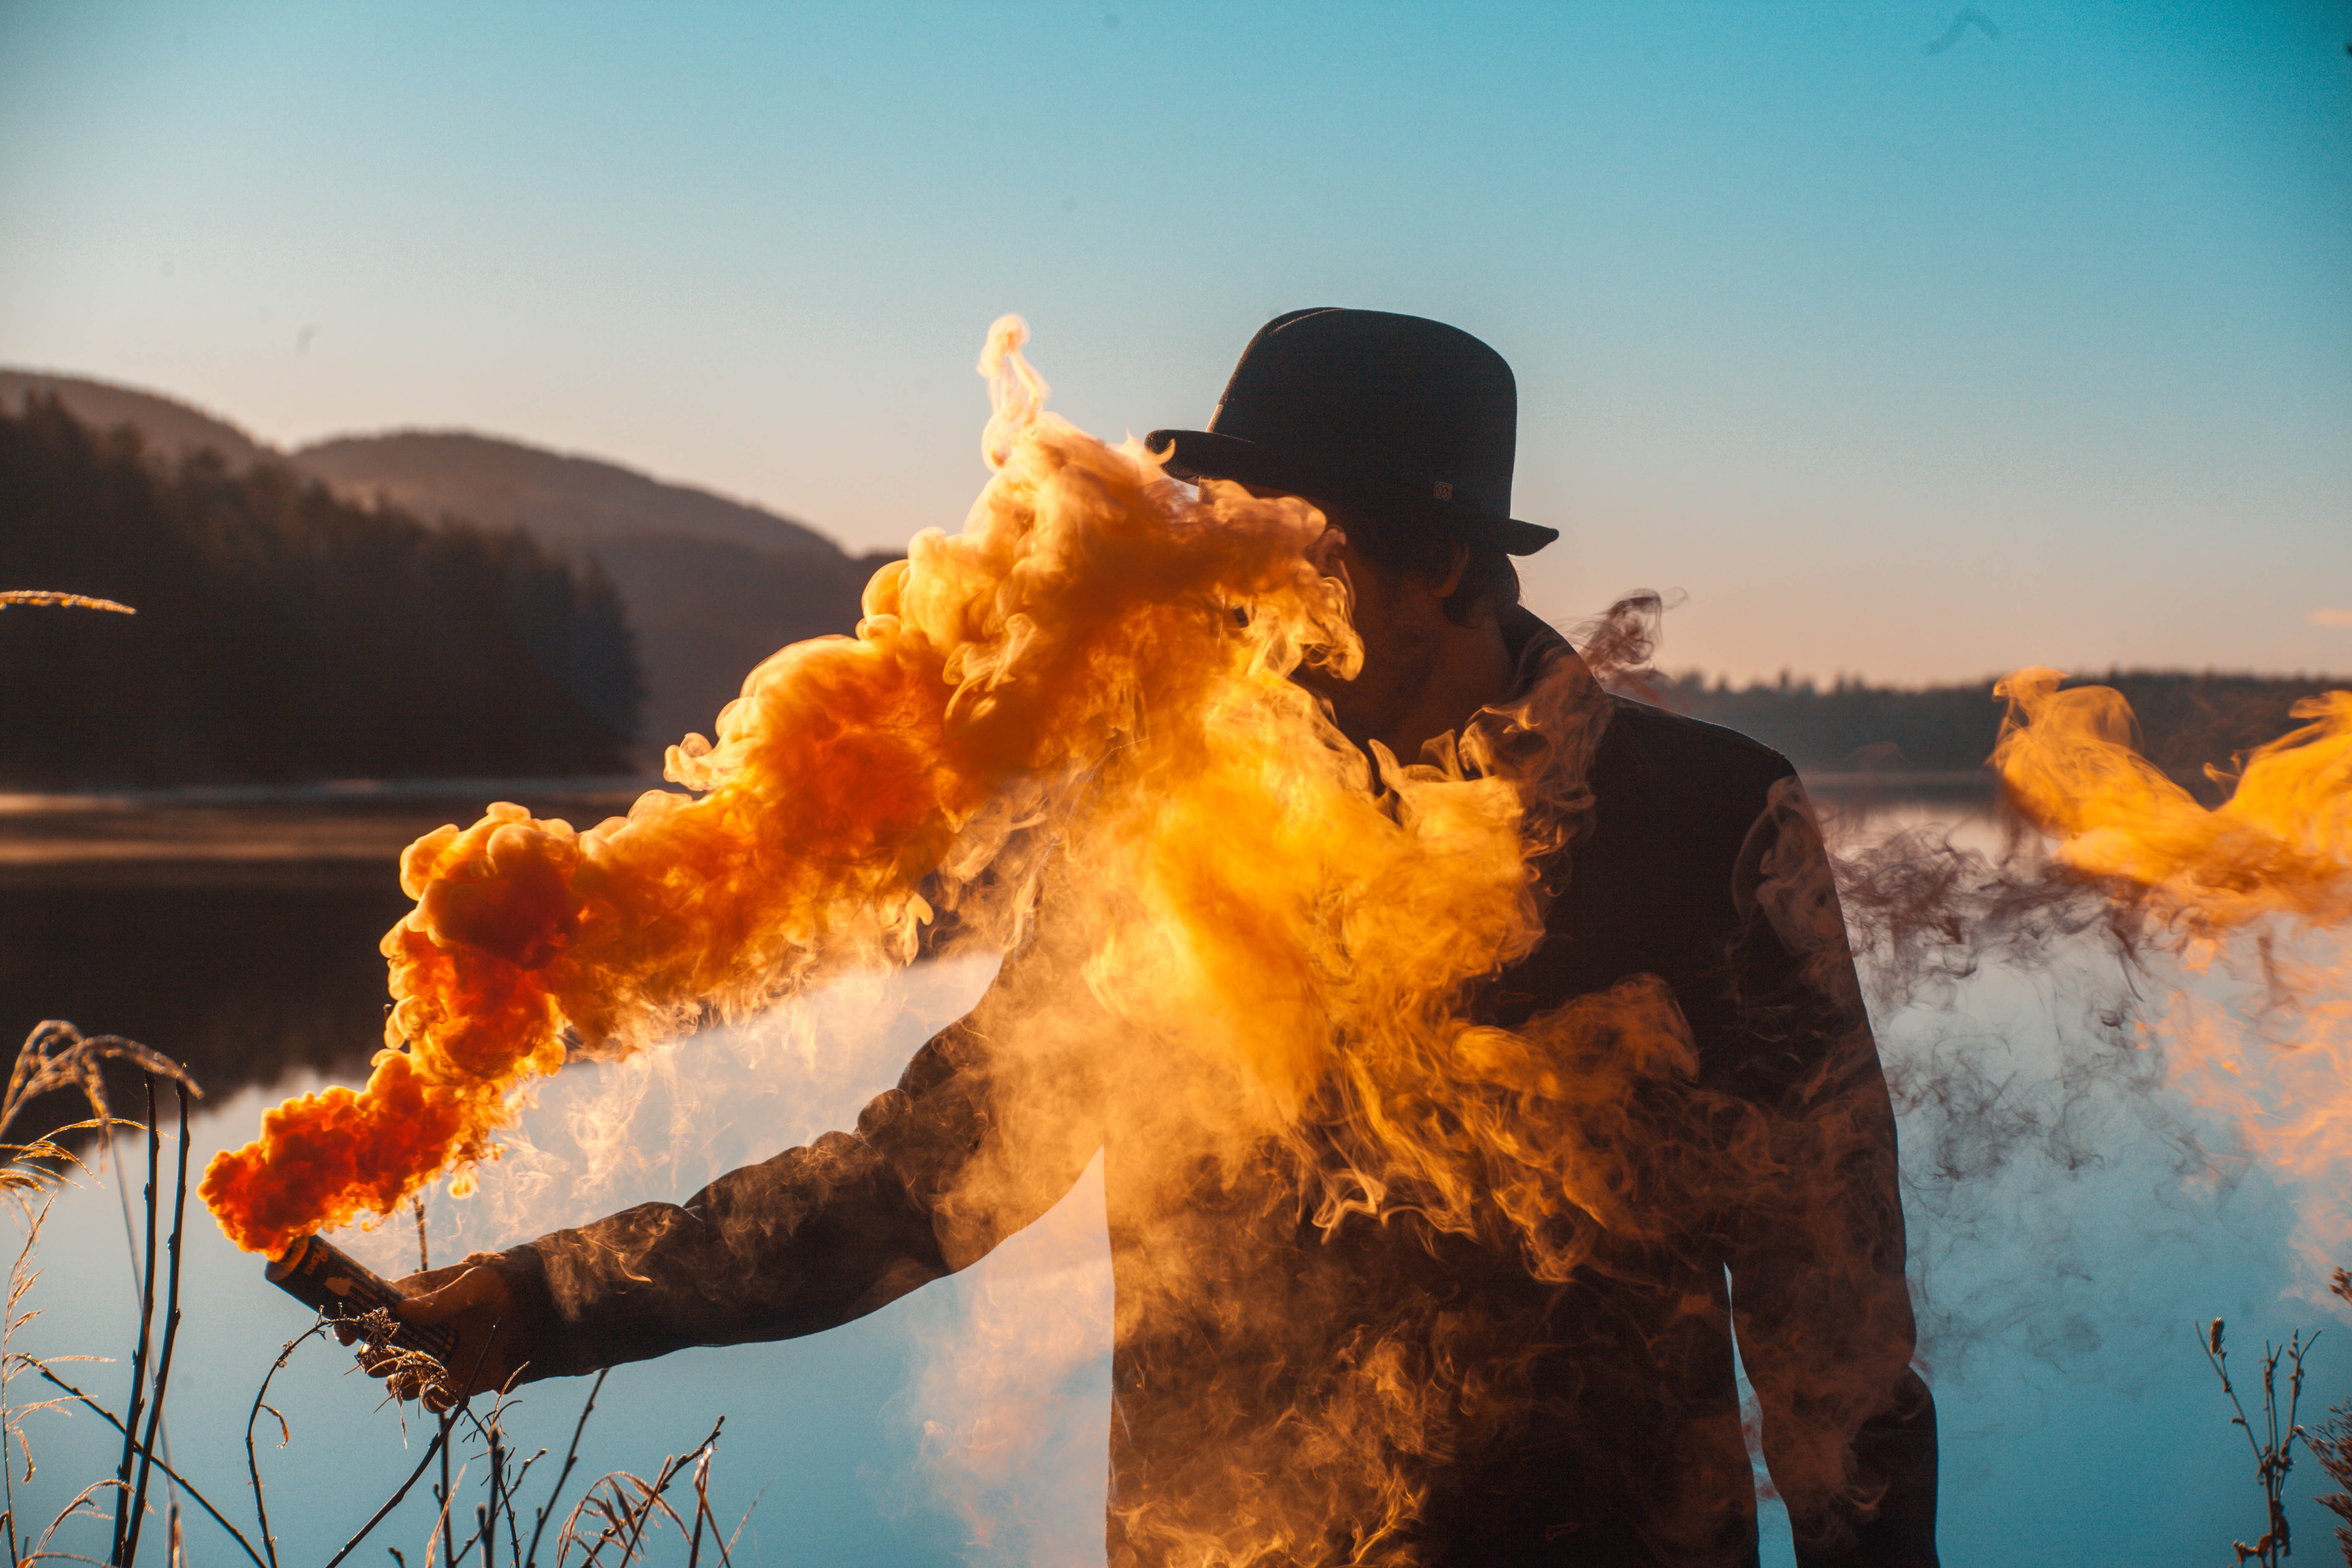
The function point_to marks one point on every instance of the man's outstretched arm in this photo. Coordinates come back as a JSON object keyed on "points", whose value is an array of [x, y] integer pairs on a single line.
{"points": [[1819, 1297], [987, 1129]]}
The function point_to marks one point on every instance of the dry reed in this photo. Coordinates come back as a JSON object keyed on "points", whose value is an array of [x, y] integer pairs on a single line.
{"points": [[613, 1522]]}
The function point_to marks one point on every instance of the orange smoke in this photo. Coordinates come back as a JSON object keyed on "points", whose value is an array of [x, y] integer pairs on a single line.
{"points": [[1088, 607], [2281, 845], [2257, 884], [1277, 940]]}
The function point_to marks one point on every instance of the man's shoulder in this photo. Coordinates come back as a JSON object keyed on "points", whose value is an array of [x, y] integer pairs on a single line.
{"points": [[1676, 755], [1665, 755]]}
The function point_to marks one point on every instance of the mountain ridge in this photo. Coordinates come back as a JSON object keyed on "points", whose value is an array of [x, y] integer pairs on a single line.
{"points": [[556, 494], [166, 423], [711, 585], [283, 636], [386, 461]]}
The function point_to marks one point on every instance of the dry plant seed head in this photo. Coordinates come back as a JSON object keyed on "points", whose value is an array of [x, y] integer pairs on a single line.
{"points": [[41, 596], [58, 1056]]}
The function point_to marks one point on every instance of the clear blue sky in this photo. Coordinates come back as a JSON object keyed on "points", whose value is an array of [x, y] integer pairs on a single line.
{"points": [[1918, 365]]}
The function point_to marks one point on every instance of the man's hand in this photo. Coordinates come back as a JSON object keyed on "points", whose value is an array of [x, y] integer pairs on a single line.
{"points": [[474, 1298]]}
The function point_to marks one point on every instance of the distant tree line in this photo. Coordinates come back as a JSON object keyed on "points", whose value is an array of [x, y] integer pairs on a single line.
{"points": [[285, 635], [2188, 720], [282, 633]]}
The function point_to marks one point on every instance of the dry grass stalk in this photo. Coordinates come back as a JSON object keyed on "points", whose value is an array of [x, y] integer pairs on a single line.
{"points": [[622, 1509], [58, 1056], [2274, 1447], [2332, 1447], [62, 601], [611, 1525]]}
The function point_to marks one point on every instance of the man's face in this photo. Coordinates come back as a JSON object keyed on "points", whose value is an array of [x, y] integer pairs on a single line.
{"points": [[1400, 618]]}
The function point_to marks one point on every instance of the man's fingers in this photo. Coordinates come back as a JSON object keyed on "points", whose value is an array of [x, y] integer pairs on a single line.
{"points": [[471, 1298]]}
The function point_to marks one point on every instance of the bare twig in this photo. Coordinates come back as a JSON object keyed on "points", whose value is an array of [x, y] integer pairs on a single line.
{"points": [[701, 1509], [570, 1458], [447, 1489], [253, 1459], [170, 1328], [177, 1480], [497, 1488], [2273, 1451], [441, 1525], [514, 1516], [2332, 1447], [394, 1501], [139, 1355], [423, 1264], [702, 1513]]}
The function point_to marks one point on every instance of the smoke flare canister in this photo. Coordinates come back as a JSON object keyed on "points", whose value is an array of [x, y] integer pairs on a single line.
{"points": [[339, 1288]]}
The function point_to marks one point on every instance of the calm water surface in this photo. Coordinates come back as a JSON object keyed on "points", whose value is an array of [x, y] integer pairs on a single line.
{"points": [[967, 1422]]}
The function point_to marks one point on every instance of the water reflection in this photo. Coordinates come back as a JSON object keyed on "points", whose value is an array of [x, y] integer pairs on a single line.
{"points": [[240, 935], [234, 930], [237, 930]]}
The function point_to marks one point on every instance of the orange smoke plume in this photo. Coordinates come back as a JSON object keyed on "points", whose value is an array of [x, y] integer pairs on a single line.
{"points": [[2271, 863], [1089, 605], [1275, 935], [2281, 845]]}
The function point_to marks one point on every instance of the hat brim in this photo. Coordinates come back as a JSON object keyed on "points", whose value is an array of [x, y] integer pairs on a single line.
{"points": [[1196, 454]]}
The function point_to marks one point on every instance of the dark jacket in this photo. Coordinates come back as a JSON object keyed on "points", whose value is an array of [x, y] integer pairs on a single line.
{"points": [[1594, 1421]]}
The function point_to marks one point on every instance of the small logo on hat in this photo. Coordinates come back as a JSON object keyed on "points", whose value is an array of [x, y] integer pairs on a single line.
{"points": [[1445, 490]]}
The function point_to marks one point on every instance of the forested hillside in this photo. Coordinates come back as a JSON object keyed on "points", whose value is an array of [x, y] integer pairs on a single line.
{"points": [[711, 586], [283, 634]]}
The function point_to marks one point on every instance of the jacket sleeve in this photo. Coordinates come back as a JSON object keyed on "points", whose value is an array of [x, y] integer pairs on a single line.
{"points": [[993, 1121], [1821, 1303]]}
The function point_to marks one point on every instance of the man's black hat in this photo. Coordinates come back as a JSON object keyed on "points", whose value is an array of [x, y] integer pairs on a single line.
{"points": [[1402, 416]]}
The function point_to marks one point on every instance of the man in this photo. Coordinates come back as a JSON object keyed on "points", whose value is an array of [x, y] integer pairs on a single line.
{"points": [[1370, 1385]]}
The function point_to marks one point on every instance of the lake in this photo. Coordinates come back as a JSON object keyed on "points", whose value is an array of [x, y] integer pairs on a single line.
{"points": [[2064, 1240]]}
